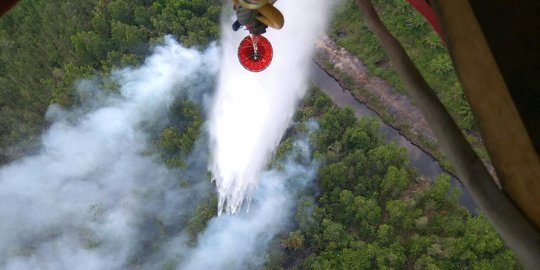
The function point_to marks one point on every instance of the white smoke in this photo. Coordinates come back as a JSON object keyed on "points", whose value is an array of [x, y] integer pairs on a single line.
{"points": [[240, 241], [94, 197], [252, 110], [83, 201]]}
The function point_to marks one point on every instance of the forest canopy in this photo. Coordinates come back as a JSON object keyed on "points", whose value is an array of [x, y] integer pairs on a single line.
{"points": [[369, 210], [47, 45], [374, 211]]}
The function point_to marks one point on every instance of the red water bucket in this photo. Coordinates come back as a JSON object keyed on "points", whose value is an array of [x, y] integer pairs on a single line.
{"points": [[255, 53]]}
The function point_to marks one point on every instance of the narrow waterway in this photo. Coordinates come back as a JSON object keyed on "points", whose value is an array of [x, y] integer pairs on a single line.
{"points": [[422, 161]]}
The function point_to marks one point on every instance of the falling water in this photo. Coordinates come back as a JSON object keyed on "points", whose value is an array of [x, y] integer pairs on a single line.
{"points": [[252, 110]]}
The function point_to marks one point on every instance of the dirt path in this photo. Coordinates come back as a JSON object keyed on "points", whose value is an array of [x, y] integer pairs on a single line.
{"points": [[397, 105]]}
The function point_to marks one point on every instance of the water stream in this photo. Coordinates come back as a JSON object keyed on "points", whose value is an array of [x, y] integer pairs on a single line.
{"points": [[422, 161]]}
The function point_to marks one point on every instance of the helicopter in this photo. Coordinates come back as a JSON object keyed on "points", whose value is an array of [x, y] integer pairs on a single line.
{"points": [[255, 51]]}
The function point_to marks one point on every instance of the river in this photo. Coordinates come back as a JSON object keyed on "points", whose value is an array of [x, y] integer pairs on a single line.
{"points": [[422, 161]]}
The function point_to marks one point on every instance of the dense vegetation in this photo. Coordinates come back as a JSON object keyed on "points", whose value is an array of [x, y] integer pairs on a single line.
{"points": [[373, 211], [424, 47], [418, 38], [369, 209], [47, 45]]}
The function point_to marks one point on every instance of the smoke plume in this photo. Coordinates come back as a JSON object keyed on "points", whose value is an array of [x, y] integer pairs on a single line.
{"points": [[241, 241], [91, 197], [95, 197], [251, 111]]}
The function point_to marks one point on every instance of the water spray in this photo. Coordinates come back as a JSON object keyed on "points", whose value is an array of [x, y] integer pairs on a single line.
{"points": [[251, 111]]}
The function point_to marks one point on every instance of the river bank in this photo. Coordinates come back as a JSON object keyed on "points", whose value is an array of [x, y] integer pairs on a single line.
{"points": [[393, 108], [428, 166]]}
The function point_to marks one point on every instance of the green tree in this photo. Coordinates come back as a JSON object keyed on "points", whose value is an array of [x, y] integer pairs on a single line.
{"points": [[367, 215], [395, 181], [333, 235], [358, 258], [334, 123], [122, 11], [295, 241], [392, 257], [90, 47], [371, 216], [384, 156], [128, 38]]}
